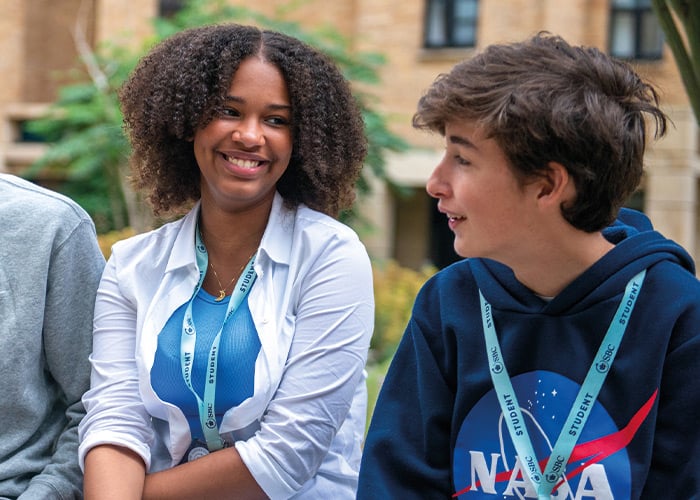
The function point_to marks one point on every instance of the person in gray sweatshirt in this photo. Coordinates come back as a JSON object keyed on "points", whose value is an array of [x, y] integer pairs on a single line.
{"points": [[50, 266]]}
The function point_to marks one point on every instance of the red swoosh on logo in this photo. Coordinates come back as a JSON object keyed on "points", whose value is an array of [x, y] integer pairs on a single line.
{"points": [[595, 451]]}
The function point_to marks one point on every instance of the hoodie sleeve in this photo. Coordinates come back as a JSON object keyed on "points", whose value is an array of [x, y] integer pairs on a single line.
{"points": [[407, 452], [674, 471]]}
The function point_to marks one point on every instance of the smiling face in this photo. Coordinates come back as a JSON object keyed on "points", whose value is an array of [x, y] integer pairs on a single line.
{"points": [[246, 148], [490, 211]]}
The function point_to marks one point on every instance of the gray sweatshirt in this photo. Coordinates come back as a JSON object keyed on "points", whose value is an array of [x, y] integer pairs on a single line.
{"points": [[50, 266]]}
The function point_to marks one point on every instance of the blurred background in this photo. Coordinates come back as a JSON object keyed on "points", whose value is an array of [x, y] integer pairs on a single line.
{"points": [[60, 126]]}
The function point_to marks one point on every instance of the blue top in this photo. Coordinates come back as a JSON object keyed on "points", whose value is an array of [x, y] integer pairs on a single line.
{"points": [[438, 429], [238, 351]]}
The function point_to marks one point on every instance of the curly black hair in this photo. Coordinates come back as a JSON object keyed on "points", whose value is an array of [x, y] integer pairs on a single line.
{"points": [[178, 86]]}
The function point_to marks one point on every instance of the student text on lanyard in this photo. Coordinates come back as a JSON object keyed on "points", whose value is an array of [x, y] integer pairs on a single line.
{"points": [[188, 338], [544, 482]]}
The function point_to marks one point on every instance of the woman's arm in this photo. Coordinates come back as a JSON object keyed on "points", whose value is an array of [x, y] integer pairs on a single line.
{"points": [[332, 317], [221, 474], [116, 415], [113, 472]]}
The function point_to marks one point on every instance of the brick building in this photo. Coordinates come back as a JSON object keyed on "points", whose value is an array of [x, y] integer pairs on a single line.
{"points": [[420, 38]]}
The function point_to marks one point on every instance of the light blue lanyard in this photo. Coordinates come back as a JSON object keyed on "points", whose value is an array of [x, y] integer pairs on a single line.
{"points": [[581, 409], [188, 338]]}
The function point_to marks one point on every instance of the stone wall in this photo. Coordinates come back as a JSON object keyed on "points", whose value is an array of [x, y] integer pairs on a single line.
{"points": [[35, 47]]}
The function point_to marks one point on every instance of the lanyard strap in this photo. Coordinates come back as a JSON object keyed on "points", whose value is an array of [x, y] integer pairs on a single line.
{"points": [[188, 338], [581, 409]]}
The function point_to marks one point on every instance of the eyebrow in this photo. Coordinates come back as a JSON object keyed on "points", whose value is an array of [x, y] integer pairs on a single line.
{"points": [[461, 141], [231, 98]]}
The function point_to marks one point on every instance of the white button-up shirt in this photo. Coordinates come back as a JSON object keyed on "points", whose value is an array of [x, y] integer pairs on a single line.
{"points": [[300, 433]]}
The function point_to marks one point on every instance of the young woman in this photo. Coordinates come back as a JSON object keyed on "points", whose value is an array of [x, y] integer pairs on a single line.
{"points": [[229, 346]]}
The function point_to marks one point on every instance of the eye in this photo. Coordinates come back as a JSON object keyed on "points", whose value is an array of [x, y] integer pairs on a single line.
{"points": [[461, 160], [228, 112], [277, 121]]}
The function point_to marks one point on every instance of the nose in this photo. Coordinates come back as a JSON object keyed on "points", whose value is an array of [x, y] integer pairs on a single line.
{"points": [[249, 133], [437, 185]]}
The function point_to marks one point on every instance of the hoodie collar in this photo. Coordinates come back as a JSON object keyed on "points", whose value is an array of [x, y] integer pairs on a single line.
{"points": [[637, 247]]}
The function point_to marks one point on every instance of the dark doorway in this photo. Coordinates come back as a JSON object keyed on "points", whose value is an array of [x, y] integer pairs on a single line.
{"points": [[441, 251]]}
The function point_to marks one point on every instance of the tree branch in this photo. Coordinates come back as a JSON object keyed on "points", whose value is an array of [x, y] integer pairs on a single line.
{"points": [[85, 51], [680, 52]]}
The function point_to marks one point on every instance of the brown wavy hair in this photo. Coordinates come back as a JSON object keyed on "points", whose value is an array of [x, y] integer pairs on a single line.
{"points": [[544, 100], [177, 87]]}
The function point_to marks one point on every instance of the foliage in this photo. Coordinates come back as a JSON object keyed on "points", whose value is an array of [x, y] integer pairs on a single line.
{"points": [[88, 149], [680, 21], [376, 372], [84, 126], [106, 240], [395, 289]]}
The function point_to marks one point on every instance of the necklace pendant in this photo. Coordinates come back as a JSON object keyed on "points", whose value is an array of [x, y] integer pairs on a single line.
{"points": [[222, 295]]}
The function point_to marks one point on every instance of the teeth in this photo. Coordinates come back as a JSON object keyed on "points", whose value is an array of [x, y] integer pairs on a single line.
{"points": [[243, 163]]}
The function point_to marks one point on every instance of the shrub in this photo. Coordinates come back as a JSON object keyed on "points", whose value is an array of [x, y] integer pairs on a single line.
{"points": [[106, 240], [395, 289]]}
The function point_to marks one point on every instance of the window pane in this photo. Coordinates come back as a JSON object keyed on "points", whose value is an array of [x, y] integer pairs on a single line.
{"points": [[464, 35], [624, 4], [623, 35], [168, 8], [465, 9], [630, 4], [464, 29], [436, 31], [652, 39]]}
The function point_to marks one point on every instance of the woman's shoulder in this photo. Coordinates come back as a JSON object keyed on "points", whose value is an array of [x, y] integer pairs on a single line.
{"points": [[312, 221]]}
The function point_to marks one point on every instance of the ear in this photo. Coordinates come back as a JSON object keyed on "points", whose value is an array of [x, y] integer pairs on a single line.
{"points": [[555, 186]]}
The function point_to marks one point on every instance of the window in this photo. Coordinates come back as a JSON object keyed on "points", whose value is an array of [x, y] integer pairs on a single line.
{"points": [[635, 32], [168, 8], [450, 23]]}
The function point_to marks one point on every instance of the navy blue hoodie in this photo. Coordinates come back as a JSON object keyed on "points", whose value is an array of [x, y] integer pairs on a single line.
{"points": [[438, 430]]}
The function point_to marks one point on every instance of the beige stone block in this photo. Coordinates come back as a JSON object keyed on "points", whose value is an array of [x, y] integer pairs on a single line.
{"points": [[671, 189], [675, 221]]}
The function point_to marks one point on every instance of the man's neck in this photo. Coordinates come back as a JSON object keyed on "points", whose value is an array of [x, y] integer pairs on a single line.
{"points": [[552, 266]]}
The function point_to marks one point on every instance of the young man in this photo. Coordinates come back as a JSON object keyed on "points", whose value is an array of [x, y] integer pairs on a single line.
{"points": [[560, 359], [50, 265]]}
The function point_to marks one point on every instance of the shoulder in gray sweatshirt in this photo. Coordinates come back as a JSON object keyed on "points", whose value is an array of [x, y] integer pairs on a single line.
{"points": [[50, 266]]}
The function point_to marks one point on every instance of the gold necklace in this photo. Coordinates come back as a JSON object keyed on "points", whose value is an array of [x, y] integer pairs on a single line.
{"points": [[222, 289]]}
